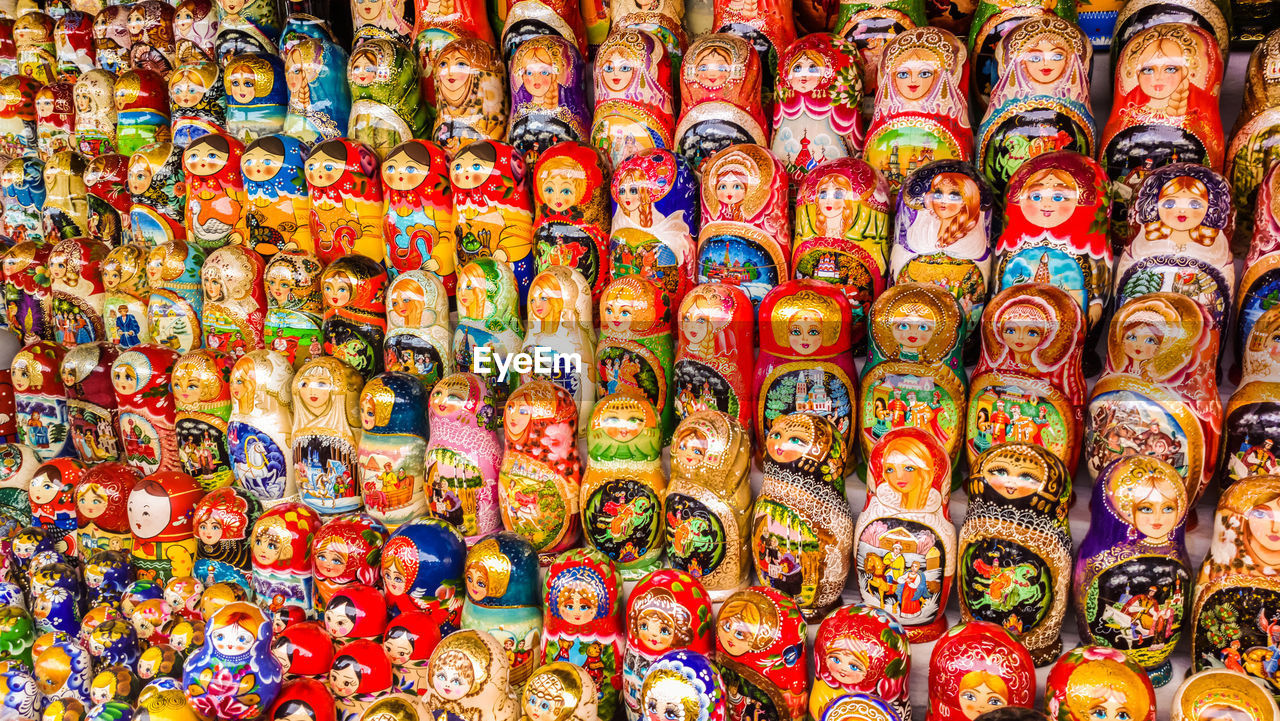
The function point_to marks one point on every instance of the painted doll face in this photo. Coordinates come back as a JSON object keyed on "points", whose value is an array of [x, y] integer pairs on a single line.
{"points": [[912, 330], [90, 502], [44, 487], [833, 199], [330, 562], [786, 444], [1272, 347], [1111, 707], [453, 73], [364, 69], [280, 284], [337, 291], [560, 192], [846, 666], [260, 165], [1049, 201], [1182, 209], [324, 170], [1156, 515], [578, 607], [1013, 477], [267, 547], [477, 581], [629, 195], [344, 682], [669, 700], [1045, 61], [241, 84], [368, 10], [400, 172], [620, 312], [452, 680], [731, 188], [539, 78], [713, 68], [314, 392], [139, 176], [656, 630], [946, 199], [804, 332], [805, 74], [1264, 525], [979, 700], [617, 71], [1162, 72], [915, 75], [187, 91], [1141, 342], [904, 473], [542, 300], [690, 449], [540, 708], [205, 160], [337, 623], [124, 378], [186, 383], [448, 398], [622, 424], [209, 531], [398, 649], [469, 170], [149, 512], [1023, 335], [394, 580], [735, 635]]}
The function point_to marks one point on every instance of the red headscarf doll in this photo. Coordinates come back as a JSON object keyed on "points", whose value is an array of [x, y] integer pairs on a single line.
{"points": [[346, 200], [215, 190], [760, 637], [346, 550], [304, 697], [356, 611], [101, 497], [53, 499], [141, 376], [409, 640], [304, 650]]}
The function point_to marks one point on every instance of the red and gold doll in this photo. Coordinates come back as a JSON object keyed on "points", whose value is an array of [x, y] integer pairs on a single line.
{"points": [[769, 26], [715, 353], [861, 649], [418, 211], [1092, 679], [634, 100], [493, 208], [720, 101], [353, 289], [161, 507], [86, 375], [215, 191], [141, 377], [78, 293], [356, 611], [55, 119], [18, 115], [277, 208], [538, 486], [667, 611], [817, 115], [346, 551], [346, 200], [760, 638], [37, 55], [975, 668], [582, 620], [73, 40], [235, 304], [142, 110], [571, 227], [281, 541], [107, 181]]}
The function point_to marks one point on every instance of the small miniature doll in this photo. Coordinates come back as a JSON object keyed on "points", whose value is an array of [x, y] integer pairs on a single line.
{"points": [[233, 675]]}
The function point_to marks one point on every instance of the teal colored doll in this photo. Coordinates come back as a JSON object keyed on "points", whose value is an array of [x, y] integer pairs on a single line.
{"points": [[319, 99], [386, 92], [256, 96]]}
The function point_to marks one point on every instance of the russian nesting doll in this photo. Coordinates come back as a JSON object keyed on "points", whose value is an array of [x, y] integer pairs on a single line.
{"points": [[634, 102], [176, 299], [861, 649], [655, 208], [197, 101], [66, 201], [52, 497], [1221, 690], [22, 181], [215, 191], [871, 25], [1246, 153], [470, 677], [107, 180], [223, 521], [977, 667], [636, 349], [195, 25], [489, 328], [760, 638], [151, 41], [905, 540], [260, 427], [91, 401], [202, 395], [387, 106], [161, 507], [305, 651], [504, 599], [346, 553], [96, 114], [277, 206], [418, 339], [492, 209], [422, 571], [292, 324], [582, 621], [141, 378], [233, 675], [418, 211], [561, 336], [991, 23], [539, 484], [686, 680], [464, 455], [817, 116], [55, 119], [124, 279], [720, 98], [714, 353], [326, 433], [1248, 438], [346, 200], [392, 447], [471, 94], [570, 182], [73, 38], [281, 542], [27, 291], [1090, 678], [353, 289], [157, 187], [667, 611], [142, 110], [18, 116], [234, 302], [33, 36], [257, 95], [319, 98], [78, 294], [548, 96]]}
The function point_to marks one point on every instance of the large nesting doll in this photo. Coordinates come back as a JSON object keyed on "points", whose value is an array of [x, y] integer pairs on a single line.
{"points": [[715, 353], [261, 421], [66, 201], [720, 98], [1247, 153], [157, 187], [107, 181], [22, 182], [470, 678], [346, 200], [277, 207], [102, 497], [142, 110], [977, 667], [223, 521], [319, 98], [504, 599], [464, 455], [667, 611], [257, 95], [353, 288], [1248, 422], [233, 674], [548, 96], [636, 350], [655, 209], [197, 101], [215, 190], [817, 116], [1014, 559], [418, 339], [91, 401], [582, 621], [861, 650], [161, 507], [175, 300], [1133, 564], [539, 484], [96, 115], [392, 448], [1092, 679], [141, 378], [18, 116], [422, 571], [489, 328], [760, 636], [634, 103], [418, 211], [906, 543], [561, 331], [235, 305], [55, 119], [571, 227], [294, 306], [281, 542], [387, 106], [471, 94], [40, 400], [325, 435], [493, 209], [77, 292]]}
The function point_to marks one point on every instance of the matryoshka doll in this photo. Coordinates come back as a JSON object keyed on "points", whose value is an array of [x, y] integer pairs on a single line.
{"points": [[77, 290], [22, 182], [223, 520], [489, 329], [233, 675], [418, 211], [202, 395], [195, 25], [26, 289], [292, 325], [745, 220], [151, 39], [720, 101], [319, 99], [418, 339], [52, 496], [688, 681], [157, 187], [624, 486], [921, 107], [1134, 562], [305, 651], [107, 181], [18, 116], [422, 571], [1091, 680], [37, 54], [655, 196], [392, 447], [539, 484], [634, 102], [871, 25], [635, 349], [73, 40], [257, 95], [353, 288], [492, 209], [345, 553], [1015, 546], [1257, 119], [567, 689], [548, 96], [55, 119], [234, 302], [161, 507], [281, 542], [142, 110], [471, 94], [277, 206], [668, 611], [805, 364], [470, 678], [561, 330], [141, 378], [1028, 385], [175, 301], [504, 599], [817, 115], [96, 114], [63, 672], [582, 621], [905, 539], [260, 425], [346, 200], [111, 38], [525, 20], [991, 23], [66, 202], [1221, 691], [326, 432], [977, 667], [91, 401], [1248, 436], [802, 513], [464, 455], [215, 191], [714, 360], [760, 638], [387, 106], [861, 649], [570, 181]]}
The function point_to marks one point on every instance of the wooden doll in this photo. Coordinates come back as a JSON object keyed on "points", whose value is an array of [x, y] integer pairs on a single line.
{"points": [[942, 233], [73, 38], [539, 484], [720, 100], [176, 299], [319, 98], [346, 200], [33, 37], [977, 667], [493, 209], [1028, 385], [1032, 112], [464, 455], [237, 641], [1259, 267], [992, 22], [383, 20], [636, 349], [906, 543], [391, 448], [91, 401], [360, 676], [294, 306], [422, 569], [914, 376], [353, 289], [582, 621], [27, 293], [1257, 118], [53, 510], [503, 598], [111, 39], [66, 202], [160, 508], [1015, 546], [418, 338], [235, 305], [1247, 423], [1135, 557], [202, 395], [346, 554], [1130, 21], [387, 107], [667, 611], [560, 329], [195, 25], [257, 96], [563, 683], [77, 290], [260, 426], [151, 41], [758, 630], [418, 211], [489, 328], [277, 206], [55, 119], [325, 435], [1158, 396], [655, 209], [409, 640], [22, 181], [802, 508], [571, 227], [861, 649], [142, 110], [921, 86], [687, 680], [141, 378], [257, 17], [548, 96], [529, 19], [281, 540], [805, 364], [215, 191], [1221, 690], [471, 677], [107, 182], [666, 19], [634, 102], [708, 501], [157, 187], [715, 356], [18, 116], [1181, 223], [471, 93], [1233, 614], [96, 114], [197, 101], [817, 116]]}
